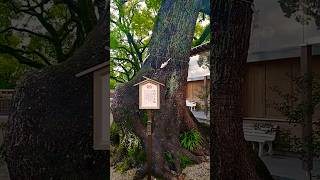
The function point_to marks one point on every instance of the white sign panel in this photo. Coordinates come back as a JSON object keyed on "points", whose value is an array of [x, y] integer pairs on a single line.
{"points": [[149, 96]]}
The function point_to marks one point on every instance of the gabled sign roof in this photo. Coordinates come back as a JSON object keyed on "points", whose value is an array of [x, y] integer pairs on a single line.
{"points": [[149, 80]]}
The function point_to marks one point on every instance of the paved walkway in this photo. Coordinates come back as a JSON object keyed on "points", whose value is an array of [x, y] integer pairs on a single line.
{"points": [[289, 168], [201, 116]]}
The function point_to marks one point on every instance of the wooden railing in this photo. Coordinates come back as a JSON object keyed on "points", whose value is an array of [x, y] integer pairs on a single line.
{"points": [[5, 100]]}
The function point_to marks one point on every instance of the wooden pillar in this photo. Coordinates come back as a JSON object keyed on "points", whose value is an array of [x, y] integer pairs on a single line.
{"points": [[149, 150], [306, 73], [205, 100]]}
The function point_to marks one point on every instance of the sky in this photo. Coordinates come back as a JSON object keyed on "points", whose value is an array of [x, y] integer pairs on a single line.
{"points": [[194, 69]]}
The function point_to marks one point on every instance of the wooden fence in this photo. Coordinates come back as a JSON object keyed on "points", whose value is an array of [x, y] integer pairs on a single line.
{"points": [[5, 100]]}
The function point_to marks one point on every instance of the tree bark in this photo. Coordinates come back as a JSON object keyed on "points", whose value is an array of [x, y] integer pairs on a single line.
{"points": [[50, 124], [231, 157], [170, 42]]}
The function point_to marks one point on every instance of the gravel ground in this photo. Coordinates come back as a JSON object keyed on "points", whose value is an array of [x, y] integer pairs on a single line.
{"points": [[194, 172], [198, 172]]}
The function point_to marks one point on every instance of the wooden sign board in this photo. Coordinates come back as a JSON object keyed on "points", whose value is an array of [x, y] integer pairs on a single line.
{"points": [[149, 94]]}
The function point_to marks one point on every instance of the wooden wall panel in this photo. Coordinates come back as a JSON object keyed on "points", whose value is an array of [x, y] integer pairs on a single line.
{"points": [[254, 91], [194, 89], [189, 91], [278, 75]]}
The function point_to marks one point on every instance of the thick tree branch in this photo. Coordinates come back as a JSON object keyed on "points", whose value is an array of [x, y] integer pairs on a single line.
{"points": [[134, 64], [22, 59], [27, 31], [134, 44], [117, 79]]}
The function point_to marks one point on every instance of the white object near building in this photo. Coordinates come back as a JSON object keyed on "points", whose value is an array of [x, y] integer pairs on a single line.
{"points": [[192, 105]]}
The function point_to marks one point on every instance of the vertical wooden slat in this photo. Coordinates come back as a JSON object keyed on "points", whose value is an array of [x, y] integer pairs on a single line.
{"points": [[254, 91]]}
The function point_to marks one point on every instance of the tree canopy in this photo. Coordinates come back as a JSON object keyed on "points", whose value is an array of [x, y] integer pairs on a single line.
{"points": [[131, 28], [42, 33]]}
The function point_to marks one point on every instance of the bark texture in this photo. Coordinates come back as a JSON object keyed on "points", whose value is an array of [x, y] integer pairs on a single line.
{"points": [[170, 42], [50, 124], [231, 157]]}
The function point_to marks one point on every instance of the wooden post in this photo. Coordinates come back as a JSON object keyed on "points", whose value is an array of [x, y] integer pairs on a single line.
{"points": [[206, 99], [149, 150], [149, 99], [306, 73]]}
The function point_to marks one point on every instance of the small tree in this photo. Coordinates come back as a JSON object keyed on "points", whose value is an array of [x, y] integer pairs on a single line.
{"points": [[292, 107]]}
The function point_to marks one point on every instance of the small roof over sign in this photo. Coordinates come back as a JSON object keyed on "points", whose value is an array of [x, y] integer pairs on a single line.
{"points": [[149, 80]]}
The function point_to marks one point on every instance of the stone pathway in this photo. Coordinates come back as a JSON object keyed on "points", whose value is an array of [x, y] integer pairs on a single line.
{"points": [[201, 116]]}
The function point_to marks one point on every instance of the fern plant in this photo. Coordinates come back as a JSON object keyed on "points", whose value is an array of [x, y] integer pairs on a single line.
{"points": [[191, 140]]}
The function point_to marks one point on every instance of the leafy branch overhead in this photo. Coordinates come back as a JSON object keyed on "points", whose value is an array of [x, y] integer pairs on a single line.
{"points": [[50, 32], [304, 12]]}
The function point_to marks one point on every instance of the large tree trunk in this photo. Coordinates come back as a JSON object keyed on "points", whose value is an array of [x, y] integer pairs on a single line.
{"points": [[171, 39], [50, 123], [231, 158]]}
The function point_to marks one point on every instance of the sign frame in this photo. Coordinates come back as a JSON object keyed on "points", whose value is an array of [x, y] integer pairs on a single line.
{"points": [[153, 82], [157, 96]]}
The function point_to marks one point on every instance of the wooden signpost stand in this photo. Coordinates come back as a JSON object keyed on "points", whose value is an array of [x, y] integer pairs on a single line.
{"points": [[149, 99], [149, 151]]}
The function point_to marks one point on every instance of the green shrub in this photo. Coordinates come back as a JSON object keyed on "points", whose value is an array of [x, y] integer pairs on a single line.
{"points": [[185, 161], [123, 166], [191, 140], [133, 152], [114, 134], [168, 157]]}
